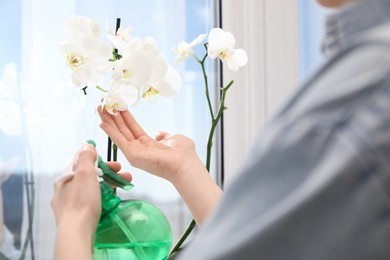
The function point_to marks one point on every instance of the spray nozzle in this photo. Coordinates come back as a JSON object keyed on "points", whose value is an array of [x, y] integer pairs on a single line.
{"points": [[109, 175]]}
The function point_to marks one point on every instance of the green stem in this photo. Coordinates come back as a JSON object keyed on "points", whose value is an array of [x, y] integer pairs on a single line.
{"points": [[210, 143], [206, 84], [214, 123], [101, 89], [115, 152], [179, 243]]}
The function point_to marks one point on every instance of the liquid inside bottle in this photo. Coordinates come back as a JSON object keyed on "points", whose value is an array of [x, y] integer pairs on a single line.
{"points": [[131, 229]]}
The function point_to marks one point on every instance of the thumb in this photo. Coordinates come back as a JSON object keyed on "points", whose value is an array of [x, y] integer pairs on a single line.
{"points": [[86, 160]]}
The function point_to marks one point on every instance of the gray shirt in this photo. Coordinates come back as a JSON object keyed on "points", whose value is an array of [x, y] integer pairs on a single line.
{"points": [[317, 183]]}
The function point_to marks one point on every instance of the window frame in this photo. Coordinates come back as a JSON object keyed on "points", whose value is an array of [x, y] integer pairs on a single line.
{"points": [[268, 31]]}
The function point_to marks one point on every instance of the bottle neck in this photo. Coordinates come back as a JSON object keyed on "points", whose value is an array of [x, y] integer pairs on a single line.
{"points": [[109, 200]]}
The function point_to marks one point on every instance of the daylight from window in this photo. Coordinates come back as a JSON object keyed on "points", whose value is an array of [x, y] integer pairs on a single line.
{"points": [[44, 118]]}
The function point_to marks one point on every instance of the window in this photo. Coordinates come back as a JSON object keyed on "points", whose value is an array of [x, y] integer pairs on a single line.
{"points": [[44, 118], [282, 40], [268, 31]]}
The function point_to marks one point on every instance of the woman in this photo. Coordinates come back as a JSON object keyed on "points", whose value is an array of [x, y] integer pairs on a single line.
{"points": [[316, 185]]}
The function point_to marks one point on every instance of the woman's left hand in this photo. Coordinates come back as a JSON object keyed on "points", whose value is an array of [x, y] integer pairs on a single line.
{"points": [[77, 205]]}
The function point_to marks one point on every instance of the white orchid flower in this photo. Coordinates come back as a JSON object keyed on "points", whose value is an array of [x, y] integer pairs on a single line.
{"points": [[139, 70], [167, 86], [87, 57], [148, 48], [132, 70], [140, 64], [150, 94], [120, 97], [221, 44], [81, 24], [120, 38], [184, 50]]}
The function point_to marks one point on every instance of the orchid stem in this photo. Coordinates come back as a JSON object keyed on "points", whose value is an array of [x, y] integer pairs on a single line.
{"points": [[206, 84], [115, 152], [214, 122], [101, 89]]}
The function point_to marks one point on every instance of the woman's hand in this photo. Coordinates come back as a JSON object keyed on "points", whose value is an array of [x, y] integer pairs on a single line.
{"points": [[167, 156], [77, 205], [172, 157], [78, 191]]}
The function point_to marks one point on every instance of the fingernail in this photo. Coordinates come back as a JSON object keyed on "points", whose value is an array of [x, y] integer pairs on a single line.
{"points": [[89, 147]]}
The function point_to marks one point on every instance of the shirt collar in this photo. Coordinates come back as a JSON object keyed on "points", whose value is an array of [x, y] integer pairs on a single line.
{"points": [[352, 19]]}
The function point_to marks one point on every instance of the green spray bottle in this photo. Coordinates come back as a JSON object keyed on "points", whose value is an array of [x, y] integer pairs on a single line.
{"points": [[129, 229]]}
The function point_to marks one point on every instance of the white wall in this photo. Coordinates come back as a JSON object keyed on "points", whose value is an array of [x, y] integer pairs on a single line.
{"points": [[268, 31]]}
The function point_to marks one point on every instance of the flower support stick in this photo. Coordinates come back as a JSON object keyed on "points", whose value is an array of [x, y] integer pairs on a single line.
{"points": [[110, 145]]}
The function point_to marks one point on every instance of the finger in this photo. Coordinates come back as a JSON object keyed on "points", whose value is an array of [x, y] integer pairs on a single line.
{"points": [[86, 162], [59, 181], [132, 124], [123, 128], [63, 179], [116, 136], [115, 166], [111, 128], [105, 116], [68, 172], [126, 175]]}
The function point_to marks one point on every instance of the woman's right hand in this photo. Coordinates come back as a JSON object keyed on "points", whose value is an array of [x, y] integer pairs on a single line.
{"points": [[172, 157], [167, 156]]}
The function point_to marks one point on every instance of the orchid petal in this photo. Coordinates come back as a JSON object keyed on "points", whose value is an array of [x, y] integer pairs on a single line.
{"points": [[120, 39], [81, 24], [219, 40], [239, 59], [198, 40], [119, 97], [87, 57], [170, 84], [184, 50]]}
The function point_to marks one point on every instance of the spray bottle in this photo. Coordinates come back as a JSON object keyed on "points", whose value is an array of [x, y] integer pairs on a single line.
{"points": [[128, 229]]}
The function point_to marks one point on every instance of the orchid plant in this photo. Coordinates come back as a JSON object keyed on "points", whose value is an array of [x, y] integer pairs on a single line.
{"points": [[138, 70], [220, 45]]}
